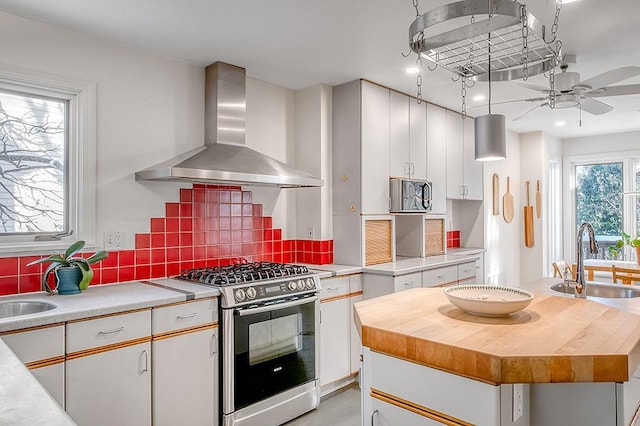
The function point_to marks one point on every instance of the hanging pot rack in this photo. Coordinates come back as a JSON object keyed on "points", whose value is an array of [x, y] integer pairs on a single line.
{"points": [[517, 39]]}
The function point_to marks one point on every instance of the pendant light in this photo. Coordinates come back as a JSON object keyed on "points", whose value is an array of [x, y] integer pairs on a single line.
{"points": [[490, 129]]}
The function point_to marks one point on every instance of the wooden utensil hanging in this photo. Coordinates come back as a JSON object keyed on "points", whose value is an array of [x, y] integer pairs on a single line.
{"points": [[538, 200], [528, 222], [496, 194], [507, 204]]}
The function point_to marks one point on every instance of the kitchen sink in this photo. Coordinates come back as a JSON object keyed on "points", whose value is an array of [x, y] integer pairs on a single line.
{"points": [[15, 308], [602, 290]]}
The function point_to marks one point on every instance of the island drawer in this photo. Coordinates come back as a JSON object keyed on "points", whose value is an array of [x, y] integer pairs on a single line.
{"points": [[440, 276], [334, 287], [183, 315], [408, 281], [108, 330], [462, 398]]}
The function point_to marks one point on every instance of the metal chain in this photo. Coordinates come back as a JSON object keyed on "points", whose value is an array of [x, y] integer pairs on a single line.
{"points": [[419, 78], [463, 93], [525, 45], [469, 64], [554, 27], [552, 72], [415, 4]]}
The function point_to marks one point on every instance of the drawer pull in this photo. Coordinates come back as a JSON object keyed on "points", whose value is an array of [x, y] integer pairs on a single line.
{"points": [[442, 276], [188, 316], [115, 330], [468, 270], [332, 288], [409, 284]]}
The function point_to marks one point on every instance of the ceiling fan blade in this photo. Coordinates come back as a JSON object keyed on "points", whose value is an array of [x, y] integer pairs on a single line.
{"points": [[534, 87], [509, 102], [530, 110], [628, 89], [594, 106], [611, 77]]}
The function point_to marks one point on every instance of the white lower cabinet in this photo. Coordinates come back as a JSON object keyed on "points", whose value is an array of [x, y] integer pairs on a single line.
{"points": [[355, 292], [111, 387], [185, 379], [387, 414], [185, 364], [42, 351], [335, 332], [108, 370]]}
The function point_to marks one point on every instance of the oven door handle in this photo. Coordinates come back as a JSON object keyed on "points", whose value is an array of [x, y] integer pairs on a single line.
{"points": [[275, 306]]}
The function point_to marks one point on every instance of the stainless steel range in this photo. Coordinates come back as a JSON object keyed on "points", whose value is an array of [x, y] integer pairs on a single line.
{"points": [[270, 328]]}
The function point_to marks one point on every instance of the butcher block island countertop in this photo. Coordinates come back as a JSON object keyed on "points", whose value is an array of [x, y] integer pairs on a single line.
{"points": [[554, 340]]}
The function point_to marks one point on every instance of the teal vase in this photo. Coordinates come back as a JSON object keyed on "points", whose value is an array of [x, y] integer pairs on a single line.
{"points": [[68, 280]]}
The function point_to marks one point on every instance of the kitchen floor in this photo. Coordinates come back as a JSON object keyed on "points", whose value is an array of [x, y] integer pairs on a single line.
{"points": [[341, 407]]}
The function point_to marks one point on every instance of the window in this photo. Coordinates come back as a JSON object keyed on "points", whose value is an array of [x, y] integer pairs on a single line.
{"points": [[554, 210], [47, 160], [33, 148]]}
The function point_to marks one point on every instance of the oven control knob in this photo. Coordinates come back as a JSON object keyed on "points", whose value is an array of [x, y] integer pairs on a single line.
{"points": [[251, 293], [301, 285], [310, 283], [292, 286], [240, 295]]}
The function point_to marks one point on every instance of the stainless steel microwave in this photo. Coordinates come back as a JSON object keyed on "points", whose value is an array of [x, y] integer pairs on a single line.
{"points": [[409, 195]]}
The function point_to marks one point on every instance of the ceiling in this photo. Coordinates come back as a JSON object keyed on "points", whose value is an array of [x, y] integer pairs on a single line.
{"points": [[298, 43]]}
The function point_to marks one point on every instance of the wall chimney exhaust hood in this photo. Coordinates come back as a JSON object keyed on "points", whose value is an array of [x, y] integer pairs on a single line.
{"points": [[224, 159]]}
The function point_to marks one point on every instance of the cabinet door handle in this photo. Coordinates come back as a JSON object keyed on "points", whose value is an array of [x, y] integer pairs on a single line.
{"points": [[214, 344], [332, 288], [188, 316], [411, 169], [373, 413], [389, 203], [115, 330], [407, 169], [146, 361]]}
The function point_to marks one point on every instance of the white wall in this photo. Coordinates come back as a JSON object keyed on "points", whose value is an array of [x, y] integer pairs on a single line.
{"points": [[502, 240], [149, 108], [313, 154], [601, 143]]}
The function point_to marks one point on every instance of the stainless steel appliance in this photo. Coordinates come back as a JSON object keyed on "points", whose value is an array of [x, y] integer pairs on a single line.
{"points": [[409, 195], [269, 325]]}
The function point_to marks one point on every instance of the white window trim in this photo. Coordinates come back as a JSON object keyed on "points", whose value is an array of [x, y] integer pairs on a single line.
{"points": [[569, 188], [82, 157]]}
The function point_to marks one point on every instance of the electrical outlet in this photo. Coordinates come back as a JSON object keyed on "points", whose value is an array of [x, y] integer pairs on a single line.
{"points": [[518, 401], [113, 240]]}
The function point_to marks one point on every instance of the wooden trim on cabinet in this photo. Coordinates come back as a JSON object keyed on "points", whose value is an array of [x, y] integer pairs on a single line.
{"points": [[115, 314], [443, 418], [175, 333], [342, 296], [114, 346], [45, 362], [23, 330]]}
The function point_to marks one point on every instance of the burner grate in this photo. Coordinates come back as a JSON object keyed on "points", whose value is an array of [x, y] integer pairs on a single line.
{"points": [[241, 273]]}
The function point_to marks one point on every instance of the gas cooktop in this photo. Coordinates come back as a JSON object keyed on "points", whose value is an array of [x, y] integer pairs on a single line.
{"points": [[243, 273]]}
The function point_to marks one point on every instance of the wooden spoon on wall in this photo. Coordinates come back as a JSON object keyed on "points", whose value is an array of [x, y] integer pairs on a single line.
{"points": [[528, 221], [507, 204]]}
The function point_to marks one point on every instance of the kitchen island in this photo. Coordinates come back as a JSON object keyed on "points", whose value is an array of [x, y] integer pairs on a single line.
{"points": [[559, 361]]}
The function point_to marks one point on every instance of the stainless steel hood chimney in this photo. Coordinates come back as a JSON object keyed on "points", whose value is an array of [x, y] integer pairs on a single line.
{"points": [[224, 159]]}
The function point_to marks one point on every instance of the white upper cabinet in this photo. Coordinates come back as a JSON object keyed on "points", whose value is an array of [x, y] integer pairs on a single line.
{"points": [[464, 173], [408, 137], [437, 157], [418, 138], [374, 149], [399, 148]]}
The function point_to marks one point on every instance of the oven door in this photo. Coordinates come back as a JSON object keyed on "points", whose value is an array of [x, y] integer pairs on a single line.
{"points": [[269, 349]]}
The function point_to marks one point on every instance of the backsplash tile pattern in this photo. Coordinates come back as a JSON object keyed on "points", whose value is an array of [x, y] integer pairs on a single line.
{"points": [[209, 226], [453, 239]]}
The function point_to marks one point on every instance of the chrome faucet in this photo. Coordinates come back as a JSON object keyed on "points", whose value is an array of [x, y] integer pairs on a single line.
{"points": [[581, 285]]}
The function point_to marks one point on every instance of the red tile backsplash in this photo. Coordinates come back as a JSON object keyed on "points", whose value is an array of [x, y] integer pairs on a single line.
{"points": [[210, 226]]}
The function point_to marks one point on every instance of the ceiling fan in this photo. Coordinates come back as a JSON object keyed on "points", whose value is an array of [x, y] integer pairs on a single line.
{"points": [[571, 92]]}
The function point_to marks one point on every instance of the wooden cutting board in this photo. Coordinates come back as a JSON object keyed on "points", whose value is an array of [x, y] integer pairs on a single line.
{"points": [[507, 204], [496, 194], [528, 221], [538, 200], [554, 340]]}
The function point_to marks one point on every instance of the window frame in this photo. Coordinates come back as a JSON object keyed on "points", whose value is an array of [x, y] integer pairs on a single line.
{"points": [[570, 226], [81, 156]]}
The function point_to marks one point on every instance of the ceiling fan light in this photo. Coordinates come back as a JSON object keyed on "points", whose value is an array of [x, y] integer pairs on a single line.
{"points": [[490, 137]]}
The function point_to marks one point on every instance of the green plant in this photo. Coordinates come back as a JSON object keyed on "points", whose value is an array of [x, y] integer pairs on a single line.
{"points": [[624, 241], [68, 260]]}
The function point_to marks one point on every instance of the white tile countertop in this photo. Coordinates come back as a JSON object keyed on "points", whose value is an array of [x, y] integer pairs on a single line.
{"points": [[407, 265], [24, 400], [103, 300]]}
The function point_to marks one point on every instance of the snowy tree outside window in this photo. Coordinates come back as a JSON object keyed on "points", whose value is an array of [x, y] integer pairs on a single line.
{"points": [[33, 145]]}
